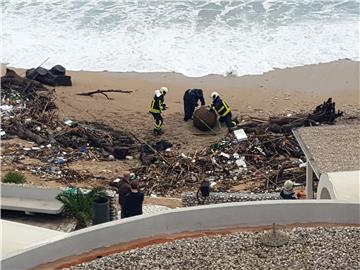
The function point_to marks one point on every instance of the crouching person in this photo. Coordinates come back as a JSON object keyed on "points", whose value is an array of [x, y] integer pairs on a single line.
{"points": [[287, 193], [133, 201]]}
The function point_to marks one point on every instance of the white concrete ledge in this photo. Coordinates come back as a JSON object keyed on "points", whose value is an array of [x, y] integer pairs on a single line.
{"points": [[343, 186], [30, 199], [187, 219]]}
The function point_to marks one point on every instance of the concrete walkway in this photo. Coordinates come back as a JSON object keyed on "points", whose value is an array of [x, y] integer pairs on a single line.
{"points": [[16, 237]]}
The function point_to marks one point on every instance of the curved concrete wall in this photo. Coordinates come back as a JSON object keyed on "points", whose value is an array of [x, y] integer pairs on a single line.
{"points": [[187, 219], [343, 186]]}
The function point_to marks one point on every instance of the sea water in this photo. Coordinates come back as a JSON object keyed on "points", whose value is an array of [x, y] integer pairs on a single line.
{"points": [[192, 37]]}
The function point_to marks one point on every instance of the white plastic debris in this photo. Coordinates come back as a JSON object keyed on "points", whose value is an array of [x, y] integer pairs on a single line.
{"points": [[302, 165], [241, 162], [116, 180], [183, 155], [6, 108], [240, 135], [2, 133], [212, 184], [168, 149], [129, 157], [289, 114], [260, 150], [213, 160], [224, 155], [69, 122]]}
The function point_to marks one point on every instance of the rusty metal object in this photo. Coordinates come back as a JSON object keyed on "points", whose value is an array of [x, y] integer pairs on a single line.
{"points": [[204, 119]]}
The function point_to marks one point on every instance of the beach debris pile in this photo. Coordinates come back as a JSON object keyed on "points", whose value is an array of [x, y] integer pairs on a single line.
{"points": [[28, 111], [263, 161], [324, 113], [267, 160]]}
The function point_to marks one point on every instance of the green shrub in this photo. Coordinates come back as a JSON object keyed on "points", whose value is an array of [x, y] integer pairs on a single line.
{"points": [[78, 205], [14, 177]]}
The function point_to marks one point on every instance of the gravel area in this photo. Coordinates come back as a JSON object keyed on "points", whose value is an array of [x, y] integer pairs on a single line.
{"points": [[333, 148], [190, 199], [308, 248]]}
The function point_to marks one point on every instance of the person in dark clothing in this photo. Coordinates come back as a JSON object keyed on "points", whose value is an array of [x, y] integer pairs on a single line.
{"points": [[191, 99], [123, 189], [133, 201], [223, 110], [288, 192], [156, 107]]}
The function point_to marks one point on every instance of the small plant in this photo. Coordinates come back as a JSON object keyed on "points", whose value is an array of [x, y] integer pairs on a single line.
{"points": [[79, 205], [14, 177]]}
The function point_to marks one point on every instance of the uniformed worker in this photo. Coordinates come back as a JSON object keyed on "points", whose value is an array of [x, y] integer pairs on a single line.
{"points": [[156, 107], [223, 110], [191, 99]]}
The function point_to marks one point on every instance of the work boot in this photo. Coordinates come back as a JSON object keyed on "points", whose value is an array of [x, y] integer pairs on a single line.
{"points": [[158, 132]]}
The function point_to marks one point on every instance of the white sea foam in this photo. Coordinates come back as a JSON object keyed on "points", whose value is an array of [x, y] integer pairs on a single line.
{"points": [[193, 37]]}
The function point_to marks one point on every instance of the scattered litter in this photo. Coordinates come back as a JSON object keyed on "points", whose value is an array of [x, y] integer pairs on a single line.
{"points": [[6, 108], [241, 162], [302, 165], [224, 155], [240, 135]]}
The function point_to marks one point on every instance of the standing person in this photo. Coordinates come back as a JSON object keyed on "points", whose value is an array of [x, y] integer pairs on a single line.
{"points": [[123, 189], [156, 107], [191, 99], [133, 201], [223, 110], [287, 192]]}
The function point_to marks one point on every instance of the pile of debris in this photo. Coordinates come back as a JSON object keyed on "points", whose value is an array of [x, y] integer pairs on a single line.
{"points": [[28, 111], [33, 117], [267, 158]]}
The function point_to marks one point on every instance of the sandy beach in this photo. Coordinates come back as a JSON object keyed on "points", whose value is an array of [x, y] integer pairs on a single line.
{"points": [[276, 92]]}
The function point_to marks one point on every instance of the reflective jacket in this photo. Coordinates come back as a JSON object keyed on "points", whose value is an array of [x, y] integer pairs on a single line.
{"points": [[220, 107], [157, 104]]}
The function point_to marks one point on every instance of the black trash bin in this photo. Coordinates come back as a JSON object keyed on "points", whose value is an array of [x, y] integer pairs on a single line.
{"points": [[101, 209]]}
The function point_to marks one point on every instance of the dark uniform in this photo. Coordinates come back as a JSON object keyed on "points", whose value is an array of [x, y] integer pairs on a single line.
{"points": [[224, 112], [156, 107], [288, 195], [191, 99]]}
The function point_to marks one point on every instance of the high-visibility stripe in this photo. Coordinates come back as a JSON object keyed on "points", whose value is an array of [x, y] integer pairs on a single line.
{"points": [[224, 107], [152, 109]]}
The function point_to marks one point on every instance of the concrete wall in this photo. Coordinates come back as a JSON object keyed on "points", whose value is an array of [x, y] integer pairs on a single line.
{"points": [[29, 192], [343, 186], [187, 219]]}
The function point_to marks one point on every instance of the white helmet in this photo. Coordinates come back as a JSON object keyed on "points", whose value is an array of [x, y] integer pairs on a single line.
{"points": [[164, 90], [288, 185], [157, 93], [214, 95]]}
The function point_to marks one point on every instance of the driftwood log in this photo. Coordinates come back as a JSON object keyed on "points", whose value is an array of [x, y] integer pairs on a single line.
{"points": [[102, 92]]}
